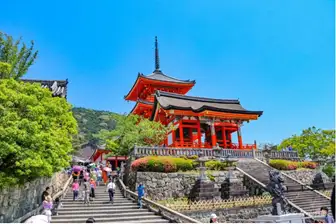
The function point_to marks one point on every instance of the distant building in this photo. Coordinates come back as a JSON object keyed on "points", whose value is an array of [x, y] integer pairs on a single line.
{"points": [[59, 88]]}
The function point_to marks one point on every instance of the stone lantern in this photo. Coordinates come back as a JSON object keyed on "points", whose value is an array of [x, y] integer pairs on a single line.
{"points": [[204, 189]]}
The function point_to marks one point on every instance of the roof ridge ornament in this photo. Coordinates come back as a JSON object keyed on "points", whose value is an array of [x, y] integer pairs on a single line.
{"points": [[157, 57]]}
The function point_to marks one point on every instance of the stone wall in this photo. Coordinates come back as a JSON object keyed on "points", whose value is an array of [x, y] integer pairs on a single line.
{"points": [[306, 176], [226, 215], [160, 186], [17, 201]]}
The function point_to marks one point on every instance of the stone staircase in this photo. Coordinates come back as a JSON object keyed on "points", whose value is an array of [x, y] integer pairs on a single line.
{"points": [[122, 210], [308, 200]]}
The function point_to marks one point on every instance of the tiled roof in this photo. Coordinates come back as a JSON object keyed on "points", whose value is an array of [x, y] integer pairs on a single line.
{"points": [[199, 104], [158, 75], [57, 87]]}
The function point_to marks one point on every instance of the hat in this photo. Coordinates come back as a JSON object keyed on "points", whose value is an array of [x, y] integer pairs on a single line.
{"points": [[213, 216]]}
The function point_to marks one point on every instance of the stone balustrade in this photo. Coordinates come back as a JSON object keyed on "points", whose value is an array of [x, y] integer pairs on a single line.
{"points": [[139, 151]]}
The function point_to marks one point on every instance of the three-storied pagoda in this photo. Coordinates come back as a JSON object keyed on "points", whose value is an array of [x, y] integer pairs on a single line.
{"points": [[199, 122]]}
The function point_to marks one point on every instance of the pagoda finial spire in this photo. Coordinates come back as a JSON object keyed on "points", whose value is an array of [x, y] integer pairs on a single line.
{"points": [[157, 58]]}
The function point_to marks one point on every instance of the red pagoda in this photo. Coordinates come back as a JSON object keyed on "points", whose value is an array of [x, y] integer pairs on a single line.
{"points": [[199, 122]]}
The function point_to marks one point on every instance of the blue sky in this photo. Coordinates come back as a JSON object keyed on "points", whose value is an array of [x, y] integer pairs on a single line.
{"points": [[275, 56]]}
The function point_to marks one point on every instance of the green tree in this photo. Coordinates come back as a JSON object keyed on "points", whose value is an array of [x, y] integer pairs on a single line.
{"points": [[133, 130], [317, 143], [15, 57], [36, 132]]}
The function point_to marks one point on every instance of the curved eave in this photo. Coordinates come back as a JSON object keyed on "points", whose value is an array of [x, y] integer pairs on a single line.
{"points": [[142, 103], [188, 84], [201, 109], [204, 108]]}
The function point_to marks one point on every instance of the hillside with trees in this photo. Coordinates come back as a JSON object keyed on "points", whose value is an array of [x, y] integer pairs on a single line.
{"points": [[91, 122]]}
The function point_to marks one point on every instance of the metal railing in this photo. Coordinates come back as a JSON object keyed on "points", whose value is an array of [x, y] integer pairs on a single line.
{"points": [[238, 153], [38, 210], [158, 208]]}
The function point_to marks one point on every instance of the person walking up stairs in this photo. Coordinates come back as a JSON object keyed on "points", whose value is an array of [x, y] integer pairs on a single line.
{"points": [[102, 211]]}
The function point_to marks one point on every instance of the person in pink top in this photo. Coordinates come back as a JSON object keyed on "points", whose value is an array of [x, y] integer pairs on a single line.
{"points": [[75, 189]]}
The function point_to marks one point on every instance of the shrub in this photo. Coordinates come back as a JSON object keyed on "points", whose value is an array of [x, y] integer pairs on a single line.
{"points": [[329, 170], [218, 165], [291, 165], [162, 164]]}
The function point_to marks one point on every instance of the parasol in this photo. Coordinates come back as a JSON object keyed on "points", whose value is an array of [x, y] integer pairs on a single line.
{"points": [[107, 169], [76, 168]]}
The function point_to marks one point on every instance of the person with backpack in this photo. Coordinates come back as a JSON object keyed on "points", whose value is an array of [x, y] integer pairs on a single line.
{"points": [[111, 188], [141, 193]]}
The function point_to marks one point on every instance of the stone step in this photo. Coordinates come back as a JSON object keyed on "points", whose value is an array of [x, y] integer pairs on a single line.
{"points": [[97, 207], [93, 211], [97, 199], [144, 218], [134, 213], [95, 203]]}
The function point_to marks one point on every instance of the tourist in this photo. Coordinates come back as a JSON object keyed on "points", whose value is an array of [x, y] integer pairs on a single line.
{"points": [[111, 188], [90, 220], [99, 176], [141, 193], [86, 192], [81, 177], [213, 218], [93, 187], [75, 175], [75, 189], [327, 217], [105, 178], [47, 206], [45, 193]]}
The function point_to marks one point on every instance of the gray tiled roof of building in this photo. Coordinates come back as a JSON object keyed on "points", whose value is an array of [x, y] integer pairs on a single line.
{"points": [[58, 88], [199, 104]]}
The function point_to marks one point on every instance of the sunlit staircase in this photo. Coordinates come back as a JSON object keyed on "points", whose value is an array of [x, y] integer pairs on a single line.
{"points": [[122, 210]]}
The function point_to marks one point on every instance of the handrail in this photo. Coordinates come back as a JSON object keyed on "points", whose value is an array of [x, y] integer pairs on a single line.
{"points": [[264, 186], [297, 181], [37, 210], [161, 207]]}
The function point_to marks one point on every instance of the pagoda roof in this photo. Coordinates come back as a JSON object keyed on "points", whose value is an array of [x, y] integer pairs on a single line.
{"points": [[58, 88], [172, 101], [141, 102], [159, 76]]}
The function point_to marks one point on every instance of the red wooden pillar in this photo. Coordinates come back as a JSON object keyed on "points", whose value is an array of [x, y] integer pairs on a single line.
{"points": [[213, 135], [240, 140], [224, 137], [181, 133], [116, 162], [101, 157], [230, 139], [199, 135], [174, 137]]}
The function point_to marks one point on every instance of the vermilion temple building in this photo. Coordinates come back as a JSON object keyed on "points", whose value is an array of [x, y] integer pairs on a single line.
{"points": [[199, 122]]}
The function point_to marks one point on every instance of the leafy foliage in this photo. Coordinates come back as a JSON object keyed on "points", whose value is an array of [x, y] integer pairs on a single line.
{"points": [[165, 164], [329, 170], [90, 123], [218, 165], [170, 164], [133, 130], [35, 132], [317, 143], [15, 57], [291, 165]]}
